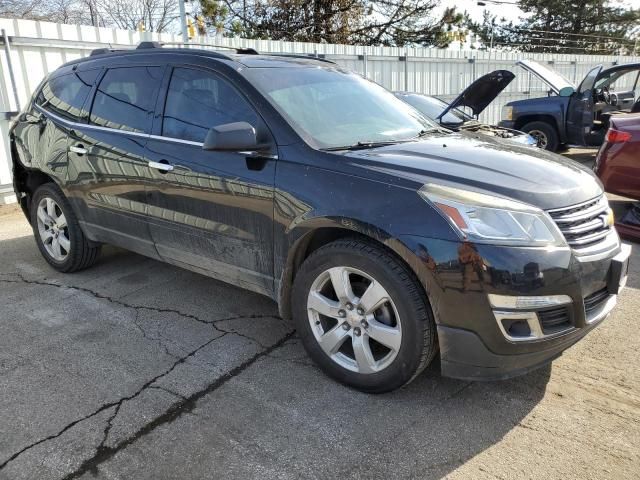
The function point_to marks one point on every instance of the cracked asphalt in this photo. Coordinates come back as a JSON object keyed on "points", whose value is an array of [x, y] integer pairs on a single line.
{"points": [[137, 369]]}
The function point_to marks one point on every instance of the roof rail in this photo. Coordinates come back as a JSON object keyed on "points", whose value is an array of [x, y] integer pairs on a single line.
{"points": [[242, 50], [149, 45], [103, 50], [309, 56]]}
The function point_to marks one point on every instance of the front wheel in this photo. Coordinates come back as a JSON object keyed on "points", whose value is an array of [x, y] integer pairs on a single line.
{"points": [[545, 134], [362, 316]]}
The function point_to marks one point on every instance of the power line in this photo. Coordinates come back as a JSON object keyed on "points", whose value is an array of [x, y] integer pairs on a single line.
{"points": [[519, 30], [552, 47]]}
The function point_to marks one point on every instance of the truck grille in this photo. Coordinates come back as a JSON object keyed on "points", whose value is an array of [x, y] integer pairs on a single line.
{"points": [[584, 224]]}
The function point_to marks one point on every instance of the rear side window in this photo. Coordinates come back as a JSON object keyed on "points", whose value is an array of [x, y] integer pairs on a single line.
{"points": [[65, 95], [198, 100], [125, 98]]}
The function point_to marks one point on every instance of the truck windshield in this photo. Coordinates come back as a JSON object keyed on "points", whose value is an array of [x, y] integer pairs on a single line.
{"points": [[331, 107]]}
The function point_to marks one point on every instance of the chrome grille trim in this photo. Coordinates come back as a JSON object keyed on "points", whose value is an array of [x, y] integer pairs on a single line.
{"points": [[582, 225]]}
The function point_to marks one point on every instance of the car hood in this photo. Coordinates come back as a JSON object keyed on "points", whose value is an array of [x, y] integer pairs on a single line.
{"points": [[482, 92], [477, 162], [552, 78]]}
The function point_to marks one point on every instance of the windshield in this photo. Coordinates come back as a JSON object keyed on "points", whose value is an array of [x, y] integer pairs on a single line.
{"points": [[431, 107], [330, 107]]}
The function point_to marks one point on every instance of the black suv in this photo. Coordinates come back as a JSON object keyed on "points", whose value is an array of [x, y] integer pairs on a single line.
{"points": [[385, 238]]}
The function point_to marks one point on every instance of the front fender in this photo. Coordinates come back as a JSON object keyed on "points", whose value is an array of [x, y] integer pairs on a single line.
{"points": [[551, 109]]}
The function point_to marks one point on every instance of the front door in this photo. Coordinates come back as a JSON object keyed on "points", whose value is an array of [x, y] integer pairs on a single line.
{"points": [[580, 112], [210, 210], [107, 167]]}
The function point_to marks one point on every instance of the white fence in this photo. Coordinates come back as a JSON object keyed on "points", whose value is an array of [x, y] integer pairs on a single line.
{"points": [[38, 48]]}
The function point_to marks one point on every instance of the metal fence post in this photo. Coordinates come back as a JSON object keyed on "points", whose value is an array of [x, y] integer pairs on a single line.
{"points": [[364, 64], [406, 69], [7, 51]]}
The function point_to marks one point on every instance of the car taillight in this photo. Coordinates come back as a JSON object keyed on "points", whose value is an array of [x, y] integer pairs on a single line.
{"points": [[616, 136]]}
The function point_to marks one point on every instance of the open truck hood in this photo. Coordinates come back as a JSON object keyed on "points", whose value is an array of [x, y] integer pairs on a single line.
{"points": [[481, 92], [552, 78]]}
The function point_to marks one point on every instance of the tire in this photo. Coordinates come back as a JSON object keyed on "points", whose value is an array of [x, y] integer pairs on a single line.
{"points": [[403, 319], [59, 225], [545, 133]]}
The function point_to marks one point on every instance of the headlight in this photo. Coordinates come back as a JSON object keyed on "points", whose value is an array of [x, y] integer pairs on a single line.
{"points": [[484, 218], [507, 113]]}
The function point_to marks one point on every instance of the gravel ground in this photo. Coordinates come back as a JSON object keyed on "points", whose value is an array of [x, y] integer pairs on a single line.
{"points": [[136, 369]]}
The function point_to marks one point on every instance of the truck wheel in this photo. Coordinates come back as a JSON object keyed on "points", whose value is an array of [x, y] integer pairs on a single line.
{"points": [[57, 232], [545, 134], [362, 316]]}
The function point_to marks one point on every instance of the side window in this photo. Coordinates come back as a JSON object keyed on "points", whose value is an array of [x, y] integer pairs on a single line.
{"points": [[65, 95], [125, 98], [198, 100]]}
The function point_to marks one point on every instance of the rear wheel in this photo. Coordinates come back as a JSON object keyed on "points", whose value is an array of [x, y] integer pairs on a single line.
{"points": [[57, 232], [362, 316], [544, 133]]}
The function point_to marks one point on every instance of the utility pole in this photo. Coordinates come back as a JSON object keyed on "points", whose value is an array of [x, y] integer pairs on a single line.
{"points": [[491, 43], [183, 21]]}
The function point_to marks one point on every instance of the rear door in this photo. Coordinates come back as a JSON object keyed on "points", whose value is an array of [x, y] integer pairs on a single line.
{"points": [[107, 168], [42, 131], [210, 210], [580, 110]]}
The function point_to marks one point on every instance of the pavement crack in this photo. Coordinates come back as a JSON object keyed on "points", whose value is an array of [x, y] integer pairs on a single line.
{"points": [[109, 425], [137, 308], [158, 339], [184, 406], [117, 301], [109, 405]]}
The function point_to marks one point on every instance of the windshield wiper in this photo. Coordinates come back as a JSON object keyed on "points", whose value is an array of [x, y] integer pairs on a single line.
{"points": [[363, 145]]}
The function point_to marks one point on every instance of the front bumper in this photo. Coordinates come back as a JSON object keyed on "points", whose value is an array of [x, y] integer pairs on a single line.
{"points": [[460, 283]]}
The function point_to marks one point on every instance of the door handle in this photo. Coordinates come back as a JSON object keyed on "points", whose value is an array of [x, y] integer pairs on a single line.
{"points": [[79, 149], [162, 165]]}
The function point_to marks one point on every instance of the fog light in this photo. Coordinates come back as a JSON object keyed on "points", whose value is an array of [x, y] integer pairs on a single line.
{"points": [[517, 328]]}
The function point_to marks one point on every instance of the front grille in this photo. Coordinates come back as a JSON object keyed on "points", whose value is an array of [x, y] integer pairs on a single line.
{"points": [[554, 320], [584, 224], [595, 300]]}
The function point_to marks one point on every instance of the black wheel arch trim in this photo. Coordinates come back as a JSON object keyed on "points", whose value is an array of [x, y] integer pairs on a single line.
{"points": [[301, 237]]}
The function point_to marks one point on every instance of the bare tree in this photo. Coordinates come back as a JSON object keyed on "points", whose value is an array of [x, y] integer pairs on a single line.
{"points": [[155, 15], [29, 9]]}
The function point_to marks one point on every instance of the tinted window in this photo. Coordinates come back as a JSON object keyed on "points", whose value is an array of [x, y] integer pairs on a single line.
{"points": [[199, 100], [125, 98], [65, 95]]}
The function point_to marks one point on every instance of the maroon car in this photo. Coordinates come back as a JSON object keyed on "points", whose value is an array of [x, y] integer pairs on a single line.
{"points": [[618, 166]]}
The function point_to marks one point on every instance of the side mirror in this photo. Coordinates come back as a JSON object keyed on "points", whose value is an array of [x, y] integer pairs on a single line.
{"points": [[566, 91], [235, 136]]}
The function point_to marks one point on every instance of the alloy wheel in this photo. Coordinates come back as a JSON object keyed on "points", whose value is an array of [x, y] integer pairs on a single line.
{"points": [[354, 320], [53, 229]]}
